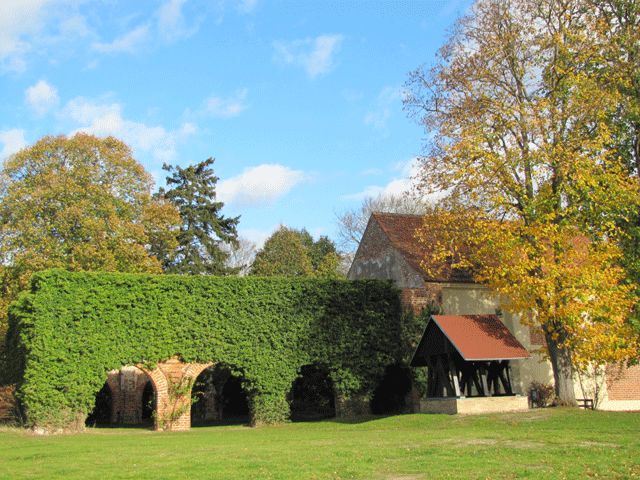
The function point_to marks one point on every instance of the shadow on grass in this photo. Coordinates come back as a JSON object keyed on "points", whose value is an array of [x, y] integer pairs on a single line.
{"points": [[112, 426]]}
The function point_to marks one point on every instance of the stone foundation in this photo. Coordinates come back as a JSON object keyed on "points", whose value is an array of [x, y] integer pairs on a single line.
{"points": [[474, 405]]}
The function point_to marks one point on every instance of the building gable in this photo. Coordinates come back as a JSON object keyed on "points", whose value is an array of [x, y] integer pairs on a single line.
{"points": [[378, 258]]}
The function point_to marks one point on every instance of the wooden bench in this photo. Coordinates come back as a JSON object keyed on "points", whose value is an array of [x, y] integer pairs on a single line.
{"points": [[585, 403]]}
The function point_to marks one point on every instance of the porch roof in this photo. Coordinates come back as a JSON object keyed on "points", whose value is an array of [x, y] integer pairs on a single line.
{"points": [[474, 337]]}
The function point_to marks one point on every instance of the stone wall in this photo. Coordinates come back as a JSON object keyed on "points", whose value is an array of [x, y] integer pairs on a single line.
{"points": [[475, 405], [417, 299], [376, 258], [173, 381]]}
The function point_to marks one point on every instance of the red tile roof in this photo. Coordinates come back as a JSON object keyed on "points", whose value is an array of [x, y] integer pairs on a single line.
{"points": [[400, 229], [480, 337]]}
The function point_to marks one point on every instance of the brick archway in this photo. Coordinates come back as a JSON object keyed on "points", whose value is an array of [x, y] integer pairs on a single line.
{"points": [[172, 381], [127, 386]]}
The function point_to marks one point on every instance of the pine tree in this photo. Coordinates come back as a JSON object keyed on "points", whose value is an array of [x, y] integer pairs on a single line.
{"points": [[204, 229]]}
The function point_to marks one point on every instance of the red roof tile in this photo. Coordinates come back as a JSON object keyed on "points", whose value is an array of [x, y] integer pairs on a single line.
{"points": [[480, 337], [400, 229]]}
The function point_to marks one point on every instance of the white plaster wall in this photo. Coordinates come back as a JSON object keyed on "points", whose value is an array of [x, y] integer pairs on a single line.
{"points": [[473, 299], [469, 299]]}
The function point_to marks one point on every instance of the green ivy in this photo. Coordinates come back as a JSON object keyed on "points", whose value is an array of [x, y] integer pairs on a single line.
{"points": [[70, 329]]}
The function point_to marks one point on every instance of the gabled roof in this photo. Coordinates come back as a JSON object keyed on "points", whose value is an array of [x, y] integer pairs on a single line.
{"points": [[474, 337], [400, 229]]}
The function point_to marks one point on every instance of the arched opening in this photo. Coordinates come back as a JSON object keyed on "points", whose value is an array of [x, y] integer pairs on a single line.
{"points": [[390, 396], [148, 403], [218, 397], [203, 398], [312, 395], [101, 413]]}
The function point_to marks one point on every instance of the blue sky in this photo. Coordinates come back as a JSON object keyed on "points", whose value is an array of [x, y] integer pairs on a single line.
{"points": [[298, 101]]}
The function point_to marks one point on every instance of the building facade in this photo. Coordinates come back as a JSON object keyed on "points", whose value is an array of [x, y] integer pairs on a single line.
{"points": [[389, 250]]}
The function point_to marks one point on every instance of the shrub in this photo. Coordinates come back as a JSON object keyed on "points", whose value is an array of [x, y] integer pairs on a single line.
{"points": [[540, 394]]}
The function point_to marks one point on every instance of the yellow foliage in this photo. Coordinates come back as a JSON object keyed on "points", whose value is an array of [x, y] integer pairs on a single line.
{"points": [[524, 146], [80, 203], [573, 285]]}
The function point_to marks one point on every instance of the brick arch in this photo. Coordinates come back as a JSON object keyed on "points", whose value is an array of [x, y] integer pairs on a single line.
{"points": [[158, 380], [173, 413], [193, 370], [127, 386]]}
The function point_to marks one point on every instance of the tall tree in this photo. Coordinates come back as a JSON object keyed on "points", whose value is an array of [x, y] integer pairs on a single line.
{"points": [[523, 143], [317, 250], [617, 29], [81, 203], [283, 253], [204, 229], [294, 252]]}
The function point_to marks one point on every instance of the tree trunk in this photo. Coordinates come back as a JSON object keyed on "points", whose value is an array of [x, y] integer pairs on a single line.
{"points": [[562, 371]]}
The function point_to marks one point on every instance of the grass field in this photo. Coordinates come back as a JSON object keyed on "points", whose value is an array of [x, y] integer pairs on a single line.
{"points": [[551, 443]]}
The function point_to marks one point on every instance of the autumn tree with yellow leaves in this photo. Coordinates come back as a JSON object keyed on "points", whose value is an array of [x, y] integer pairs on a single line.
{"points": [[79, 203], [523, 142]]}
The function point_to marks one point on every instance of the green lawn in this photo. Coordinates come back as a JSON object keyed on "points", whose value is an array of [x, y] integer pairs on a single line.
{"points": [[551, 443]]}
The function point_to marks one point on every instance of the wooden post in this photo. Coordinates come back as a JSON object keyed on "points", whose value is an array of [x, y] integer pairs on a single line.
{"points": [[454, 375], [483, 377]]}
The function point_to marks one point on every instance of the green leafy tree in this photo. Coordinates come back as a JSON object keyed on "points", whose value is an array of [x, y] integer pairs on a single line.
{"points": [[79, 203], [204, 229], [317, 249], [284, 253], [295, 252]]}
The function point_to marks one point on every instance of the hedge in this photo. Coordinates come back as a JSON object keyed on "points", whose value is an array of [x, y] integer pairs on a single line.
{"points": [[70, 329]]}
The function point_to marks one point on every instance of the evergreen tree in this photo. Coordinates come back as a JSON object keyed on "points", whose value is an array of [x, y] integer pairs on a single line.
{"points": [[204, 229]]}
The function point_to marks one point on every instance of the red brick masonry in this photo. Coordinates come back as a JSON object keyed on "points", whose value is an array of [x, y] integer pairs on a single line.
{"points": [[624, 383]]}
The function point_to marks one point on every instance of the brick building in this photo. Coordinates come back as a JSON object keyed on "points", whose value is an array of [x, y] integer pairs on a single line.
{"points": [[390, 250]]}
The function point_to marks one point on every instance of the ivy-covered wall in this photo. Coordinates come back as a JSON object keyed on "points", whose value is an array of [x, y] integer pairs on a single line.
{"points": [[72, 328]]}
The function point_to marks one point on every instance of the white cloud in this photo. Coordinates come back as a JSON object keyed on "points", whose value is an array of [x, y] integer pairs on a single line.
{"points": [[171, 22], [382, 108], [403, 183], [12, 141], [168, 24], [258, 185], [104, 119], [315, 55], [127, 43], [74, 26], [19, 19], [41, 97], [227, 107], [371, 172], [43, 26]]}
